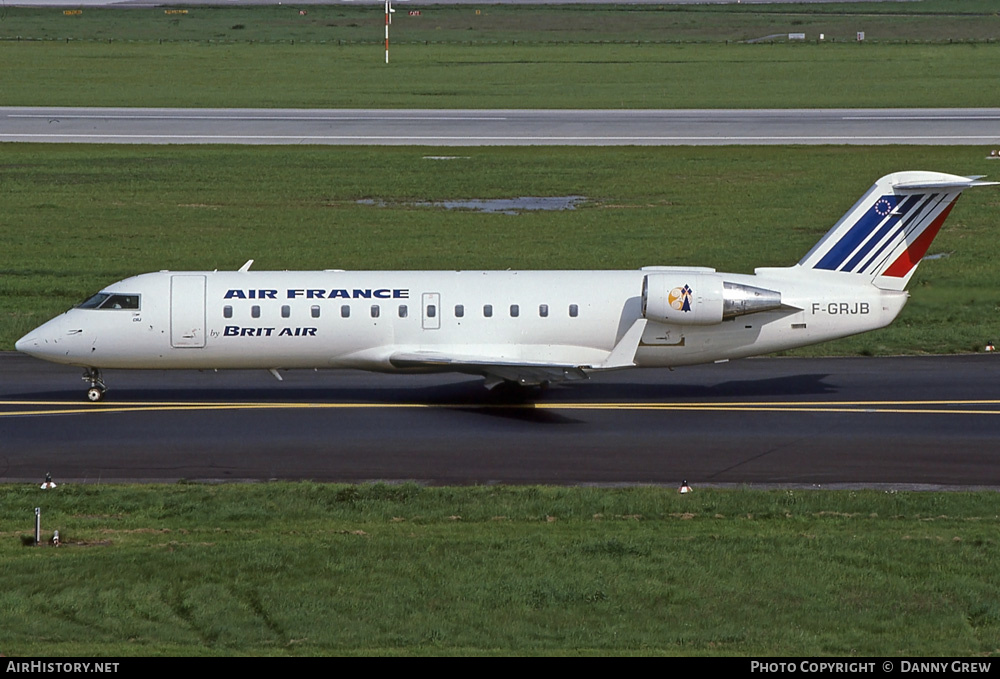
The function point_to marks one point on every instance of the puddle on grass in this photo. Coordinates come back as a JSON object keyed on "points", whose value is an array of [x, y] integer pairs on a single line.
{"points": [[505, 206], [513, 206]]}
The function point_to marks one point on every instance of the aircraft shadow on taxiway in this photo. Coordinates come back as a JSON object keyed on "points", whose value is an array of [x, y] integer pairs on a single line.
{"points": [[681, 389], [467, 395]]}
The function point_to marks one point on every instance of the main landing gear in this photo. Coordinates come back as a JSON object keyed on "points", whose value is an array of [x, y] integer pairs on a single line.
{"points": [[97, 386]]}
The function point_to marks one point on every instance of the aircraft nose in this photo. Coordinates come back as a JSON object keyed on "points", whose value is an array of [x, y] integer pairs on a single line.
{"points": [[42, 342], [56, 341], [33, 344], [25, 343]]}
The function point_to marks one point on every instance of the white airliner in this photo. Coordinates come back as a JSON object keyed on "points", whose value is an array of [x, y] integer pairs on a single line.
{"points": [[521, 327]]}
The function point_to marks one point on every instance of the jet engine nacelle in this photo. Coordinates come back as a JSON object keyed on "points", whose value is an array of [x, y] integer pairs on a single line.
{"points": [[701, 299]]}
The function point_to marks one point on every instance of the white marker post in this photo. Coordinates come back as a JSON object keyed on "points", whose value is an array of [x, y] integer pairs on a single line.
{"points": [[388, 11]]}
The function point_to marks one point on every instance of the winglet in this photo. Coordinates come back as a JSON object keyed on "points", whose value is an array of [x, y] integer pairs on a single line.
{"points": [[623, 355], [246, 267]]}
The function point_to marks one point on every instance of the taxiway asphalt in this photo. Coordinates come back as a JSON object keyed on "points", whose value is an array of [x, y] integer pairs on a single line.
{"points": [[906, 422]]}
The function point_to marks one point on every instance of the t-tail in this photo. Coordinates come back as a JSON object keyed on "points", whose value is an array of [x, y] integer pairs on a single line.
{"points": [[885, 235]]}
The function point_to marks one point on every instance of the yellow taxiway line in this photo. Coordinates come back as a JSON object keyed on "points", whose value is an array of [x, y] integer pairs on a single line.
{"points": [[970, 407]]}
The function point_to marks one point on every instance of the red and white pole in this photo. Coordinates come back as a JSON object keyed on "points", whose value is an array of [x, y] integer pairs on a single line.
{"points": [[388, 11]]}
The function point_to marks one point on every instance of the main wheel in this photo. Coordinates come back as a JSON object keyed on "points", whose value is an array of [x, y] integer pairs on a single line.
{"points": [[94, 394]]}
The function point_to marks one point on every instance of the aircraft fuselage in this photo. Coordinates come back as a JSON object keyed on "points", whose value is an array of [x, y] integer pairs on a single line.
{"points": [[339, 319]]}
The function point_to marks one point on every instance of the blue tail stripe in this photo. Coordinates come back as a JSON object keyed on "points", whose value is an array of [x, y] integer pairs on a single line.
{"points": [[897, 214], [914, 216], [861, 230]]}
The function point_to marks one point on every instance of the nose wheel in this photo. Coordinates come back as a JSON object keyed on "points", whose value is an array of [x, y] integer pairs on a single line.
{"points": [[97, 386]]}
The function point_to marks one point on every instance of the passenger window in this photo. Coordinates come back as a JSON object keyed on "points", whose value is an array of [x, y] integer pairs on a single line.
{"points": [[488, 311], [375, 310], [543, 310], [431, 311], [286, 311], [345, 311], [255, 311], [459, 310], [574, 310], [515, 311], [227, 311], [402, 311], [314, 310]]}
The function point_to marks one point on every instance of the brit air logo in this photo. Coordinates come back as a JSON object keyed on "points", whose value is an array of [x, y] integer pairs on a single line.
{"points": [[680, 298]]}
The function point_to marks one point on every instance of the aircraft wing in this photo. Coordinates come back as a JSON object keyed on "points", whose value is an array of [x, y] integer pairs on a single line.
{"points": [[497, 369]]}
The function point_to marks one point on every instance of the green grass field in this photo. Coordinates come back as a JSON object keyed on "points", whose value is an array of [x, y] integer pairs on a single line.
{"points": [[499, 76], [413, 22], [312, 569], [79, 217], [923, 54]]}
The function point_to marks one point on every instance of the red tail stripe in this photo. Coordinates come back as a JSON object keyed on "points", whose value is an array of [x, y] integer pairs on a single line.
{"points": [[913, 254]]}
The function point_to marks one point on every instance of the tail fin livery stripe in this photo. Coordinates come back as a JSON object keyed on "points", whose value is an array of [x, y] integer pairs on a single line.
{"points": [[899, 213], [913, 254], [863, 228], [907, 223], [886, 233], [915, 224]]}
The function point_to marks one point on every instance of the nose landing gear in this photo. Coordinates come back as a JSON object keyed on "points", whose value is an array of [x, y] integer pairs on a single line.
{"points": [[97, 386]]}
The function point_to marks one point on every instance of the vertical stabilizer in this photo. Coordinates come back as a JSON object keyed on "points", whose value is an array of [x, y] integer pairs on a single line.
{"points": [[884, 236]]}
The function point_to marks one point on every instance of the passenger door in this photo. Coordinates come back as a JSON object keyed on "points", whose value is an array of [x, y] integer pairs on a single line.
{"points": [[187, 311]]}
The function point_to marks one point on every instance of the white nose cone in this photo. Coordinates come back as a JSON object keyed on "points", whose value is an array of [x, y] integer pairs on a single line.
{"points": [[25, 344], [58, 341], [39, 343]]}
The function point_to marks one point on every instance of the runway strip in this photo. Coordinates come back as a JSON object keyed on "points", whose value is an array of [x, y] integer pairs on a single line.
{"points": [[974, 127]]}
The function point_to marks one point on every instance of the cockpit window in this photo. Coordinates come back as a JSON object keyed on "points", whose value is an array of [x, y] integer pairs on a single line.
{"points": [[95, 301], [108, 300], [121, 302]]}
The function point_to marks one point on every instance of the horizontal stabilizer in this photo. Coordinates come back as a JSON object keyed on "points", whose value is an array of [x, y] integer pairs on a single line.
{"points": [[964, 183]]}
